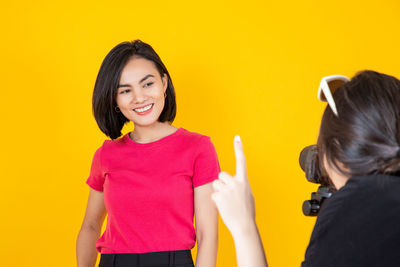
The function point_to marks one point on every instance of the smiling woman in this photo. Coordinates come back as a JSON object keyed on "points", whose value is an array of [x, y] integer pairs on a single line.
{"points": [[150, 181], [126, 71]]}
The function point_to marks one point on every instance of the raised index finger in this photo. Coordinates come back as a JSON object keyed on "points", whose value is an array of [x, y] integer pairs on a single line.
{"points": [[240, 158]]}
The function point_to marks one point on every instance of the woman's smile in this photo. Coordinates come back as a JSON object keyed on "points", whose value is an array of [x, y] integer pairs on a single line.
{"points": [[144, 110]]}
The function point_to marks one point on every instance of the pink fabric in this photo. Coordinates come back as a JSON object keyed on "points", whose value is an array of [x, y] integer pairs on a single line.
{"points": [[148, 190]]}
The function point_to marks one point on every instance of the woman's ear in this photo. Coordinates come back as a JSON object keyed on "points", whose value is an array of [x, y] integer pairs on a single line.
{"points": [[165, 82]]}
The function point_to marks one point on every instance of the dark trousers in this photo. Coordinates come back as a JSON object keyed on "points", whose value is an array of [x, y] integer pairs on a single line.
{"points": [[178, 258]]}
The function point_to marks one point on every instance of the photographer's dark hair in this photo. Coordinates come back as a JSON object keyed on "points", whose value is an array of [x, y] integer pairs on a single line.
{"points": [[109, 121], [365, 137]]}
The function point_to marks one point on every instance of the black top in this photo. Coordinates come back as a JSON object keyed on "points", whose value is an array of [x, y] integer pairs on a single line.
{"points": [[359, 225]]}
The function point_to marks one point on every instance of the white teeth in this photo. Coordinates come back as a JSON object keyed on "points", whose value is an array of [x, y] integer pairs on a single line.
{"points": [[144, 108]]}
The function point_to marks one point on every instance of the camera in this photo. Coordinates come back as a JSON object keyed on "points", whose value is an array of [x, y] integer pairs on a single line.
{"points": [[315, 173]]}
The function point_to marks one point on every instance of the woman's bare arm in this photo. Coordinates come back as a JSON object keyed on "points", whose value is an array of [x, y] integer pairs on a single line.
{"points": [[206, 217], [86, 253]]}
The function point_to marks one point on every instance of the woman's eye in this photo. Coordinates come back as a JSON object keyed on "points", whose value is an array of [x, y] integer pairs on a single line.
{"points": [[125, 91], [148, 84]]}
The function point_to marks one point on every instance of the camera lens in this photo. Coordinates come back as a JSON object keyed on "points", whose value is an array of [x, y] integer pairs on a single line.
{"points": [[309, 163]]}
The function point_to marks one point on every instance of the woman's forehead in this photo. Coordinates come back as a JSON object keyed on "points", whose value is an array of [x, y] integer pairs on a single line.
{"points": [[136, 69]]}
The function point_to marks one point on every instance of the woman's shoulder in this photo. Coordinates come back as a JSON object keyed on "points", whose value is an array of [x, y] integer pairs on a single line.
{"points": [[195, 137], [193, 141], [110, 143], [361, 191], [350, 201], [358, 216]]}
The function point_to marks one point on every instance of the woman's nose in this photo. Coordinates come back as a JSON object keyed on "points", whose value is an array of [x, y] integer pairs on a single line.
{"points": [[138, 96]]}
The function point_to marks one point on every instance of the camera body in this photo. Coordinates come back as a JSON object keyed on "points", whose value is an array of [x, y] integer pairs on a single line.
{"points": [[315, 173]]}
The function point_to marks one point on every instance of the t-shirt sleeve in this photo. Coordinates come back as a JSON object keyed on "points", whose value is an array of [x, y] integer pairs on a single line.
{"points": [[96, 176], [206, 165]]}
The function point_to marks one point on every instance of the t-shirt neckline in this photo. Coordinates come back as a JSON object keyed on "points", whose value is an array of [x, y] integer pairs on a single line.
{"points": [[154, 143]]}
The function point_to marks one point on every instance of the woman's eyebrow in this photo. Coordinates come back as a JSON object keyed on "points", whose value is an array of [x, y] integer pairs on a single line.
{"points": [[142, 80], [123, 85], [146, 77]]}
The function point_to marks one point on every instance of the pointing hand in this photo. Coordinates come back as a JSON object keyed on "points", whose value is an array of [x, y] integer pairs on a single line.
{"points": [[233, 195]]}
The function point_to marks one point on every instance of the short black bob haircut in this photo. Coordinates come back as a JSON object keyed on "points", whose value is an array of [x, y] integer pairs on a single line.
{"points": [[105, 91]]}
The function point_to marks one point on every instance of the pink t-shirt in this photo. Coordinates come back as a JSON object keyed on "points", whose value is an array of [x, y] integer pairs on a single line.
{"points": [[148, 190]]}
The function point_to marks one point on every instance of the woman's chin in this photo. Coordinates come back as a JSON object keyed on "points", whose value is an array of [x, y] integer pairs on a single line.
{"points": [[145, 122]]}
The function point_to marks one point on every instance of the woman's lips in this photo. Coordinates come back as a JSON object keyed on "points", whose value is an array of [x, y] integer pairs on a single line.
{"points": [[144, 110]]}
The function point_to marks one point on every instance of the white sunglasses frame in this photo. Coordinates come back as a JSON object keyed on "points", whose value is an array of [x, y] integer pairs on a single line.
{"points": [[325, 91]]}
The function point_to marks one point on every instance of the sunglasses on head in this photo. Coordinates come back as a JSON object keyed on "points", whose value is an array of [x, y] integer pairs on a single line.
{"points": [[328, 86]]}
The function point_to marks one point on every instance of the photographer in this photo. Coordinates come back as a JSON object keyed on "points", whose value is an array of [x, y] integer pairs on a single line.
{"points": [[359, 150]]}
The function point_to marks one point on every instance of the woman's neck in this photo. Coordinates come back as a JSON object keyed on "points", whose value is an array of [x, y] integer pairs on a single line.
{"points": [[147, 134]]}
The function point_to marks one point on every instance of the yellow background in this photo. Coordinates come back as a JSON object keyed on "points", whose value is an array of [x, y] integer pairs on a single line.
{"points": [[239, 67]]}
